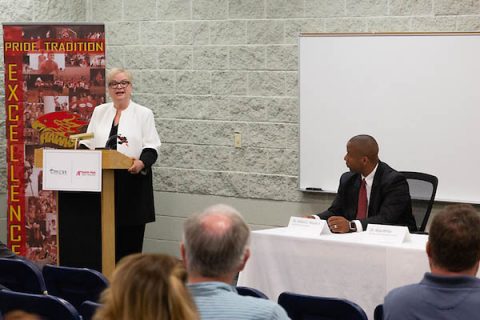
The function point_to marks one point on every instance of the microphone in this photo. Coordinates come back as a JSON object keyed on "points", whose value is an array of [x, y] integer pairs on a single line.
{"points": [[80, 136], [111, 142]]}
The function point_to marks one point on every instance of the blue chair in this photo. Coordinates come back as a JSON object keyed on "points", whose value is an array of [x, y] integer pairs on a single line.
{"points": [[251, 292], [21, 275], [378, 312], [299, 307], [49, 307], [87, 309], [75, 285]]}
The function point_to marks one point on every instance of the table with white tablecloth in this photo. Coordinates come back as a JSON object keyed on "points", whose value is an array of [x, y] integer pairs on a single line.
{"points": [[349, 265]]}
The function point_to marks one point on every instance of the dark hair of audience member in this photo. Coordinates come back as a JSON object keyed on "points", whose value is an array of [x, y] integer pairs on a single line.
{"points": [[147, 287], [454, 238]]}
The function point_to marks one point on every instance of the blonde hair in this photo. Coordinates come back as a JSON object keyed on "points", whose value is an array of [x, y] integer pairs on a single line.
{"points": [[147, 287], [21, 315], [113, 72]]}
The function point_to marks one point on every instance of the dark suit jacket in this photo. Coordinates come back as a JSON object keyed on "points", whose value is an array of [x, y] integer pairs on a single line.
{"points": [[389, 203], [5, 252]]}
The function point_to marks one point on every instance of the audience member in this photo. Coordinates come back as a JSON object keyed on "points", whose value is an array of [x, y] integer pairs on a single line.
{"points": [[20, 315], [214, 250], [5, 252], [147, 287], [451, 290]]}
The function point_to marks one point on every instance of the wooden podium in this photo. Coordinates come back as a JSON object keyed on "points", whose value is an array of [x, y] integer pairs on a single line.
{"points": [[111, 160]]}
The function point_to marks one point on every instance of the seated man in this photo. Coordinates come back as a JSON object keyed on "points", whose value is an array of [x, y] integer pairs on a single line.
{"points": [[451, 290], [5, 252], [371, 192], [214, 250]]}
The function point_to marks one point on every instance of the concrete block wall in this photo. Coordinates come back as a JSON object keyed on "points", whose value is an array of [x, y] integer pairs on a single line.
{"points": [[210, 68]]}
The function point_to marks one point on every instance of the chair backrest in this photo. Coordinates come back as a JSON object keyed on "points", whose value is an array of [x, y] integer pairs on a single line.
{"points": [[49, 307], [251, 292], [75, 285], [300, 307], [87, 309], [378, 313], [21, 275], [423, 188]]}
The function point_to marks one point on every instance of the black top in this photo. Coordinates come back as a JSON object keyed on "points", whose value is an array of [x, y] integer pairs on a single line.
{"points": [[134, 202], [148, 155]]}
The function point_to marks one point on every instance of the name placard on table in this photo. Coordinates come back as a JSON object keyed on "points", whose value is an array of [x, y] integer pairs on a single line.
{"points": [[387, 234], [306, 226]]}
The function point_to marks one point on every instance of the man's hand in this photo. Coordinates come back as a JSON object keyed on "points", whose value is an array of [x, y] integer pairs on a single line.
{"points": [[338, 224], [136, 167]]}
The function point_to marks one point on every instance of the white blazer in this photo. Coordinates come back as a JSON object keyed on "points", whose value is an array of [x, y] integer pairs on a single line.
{"points": [[136, 125]]}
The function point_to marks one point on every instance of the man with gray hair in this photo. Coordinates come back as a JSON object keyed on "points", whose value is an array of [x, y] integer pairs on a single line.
{"points": [[214, 250]]}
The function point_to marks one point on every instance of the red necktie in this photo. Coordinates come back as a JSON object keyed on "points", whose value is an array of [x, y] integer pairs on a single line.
{"points": [[362, 201]]}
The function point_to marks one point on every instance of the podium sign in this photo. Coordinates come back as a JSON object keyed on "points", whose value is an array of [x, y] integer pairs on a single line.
{"points": [[71, 170], [110, 160]]}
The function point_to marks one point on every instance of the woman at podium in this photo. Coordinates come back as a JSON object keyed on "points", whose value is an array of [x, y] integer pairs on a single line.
{"points": [[129, 128]]}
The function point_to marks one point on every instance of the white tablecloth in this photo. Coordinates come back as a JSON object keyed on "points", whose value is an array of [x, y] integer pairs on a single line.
{"points": [[337, 265]]}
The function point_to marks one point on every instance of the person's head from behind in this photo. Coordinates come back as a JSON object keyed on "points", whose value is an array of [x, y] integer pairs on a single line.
{"points": [[362, 154], [21, 315], [147, 287], [215, 243], [454, 240]]}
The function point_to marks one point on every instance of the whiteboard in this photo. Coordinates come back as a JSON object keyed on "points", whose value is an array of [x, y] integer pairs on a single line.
{"points": [[417, 94]]}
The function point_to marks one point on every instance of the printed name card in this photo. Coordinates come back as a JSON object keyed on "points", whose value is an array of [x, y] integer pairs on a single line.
{"points": [[305, 226], [380, 233]]}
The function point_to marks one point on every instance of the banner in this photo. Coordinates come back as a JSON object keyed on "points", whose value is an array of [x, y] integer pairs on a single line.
{"points": [[54, 78]]}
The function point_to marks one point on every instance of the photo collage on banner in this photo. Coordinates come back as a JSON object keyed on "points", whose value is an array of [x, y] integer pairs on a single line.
{"points": [[54, 78]]}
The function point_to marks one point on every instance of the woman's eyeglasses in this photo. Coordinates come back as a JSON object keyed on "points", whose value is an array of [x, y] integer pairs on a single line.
{"points": [[119, 85]]}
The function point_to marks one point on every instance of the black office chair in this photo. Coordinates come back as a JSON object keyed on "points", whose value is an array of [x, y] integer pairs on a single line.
{"points": [[251, 292], [75, 285], [378, 313], [299, 307], [46, 306], [87, 309], [423, 188], [21, 275]]}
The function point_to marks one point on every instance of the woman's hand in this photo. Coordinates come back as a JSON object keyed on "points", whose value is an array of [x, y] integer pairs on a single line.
{"points": [[136, 167]]}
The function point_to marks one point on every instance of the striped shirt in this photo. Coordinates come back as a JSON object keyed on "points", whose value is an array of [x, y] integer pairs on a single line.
{"points": [[220, 301]]}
